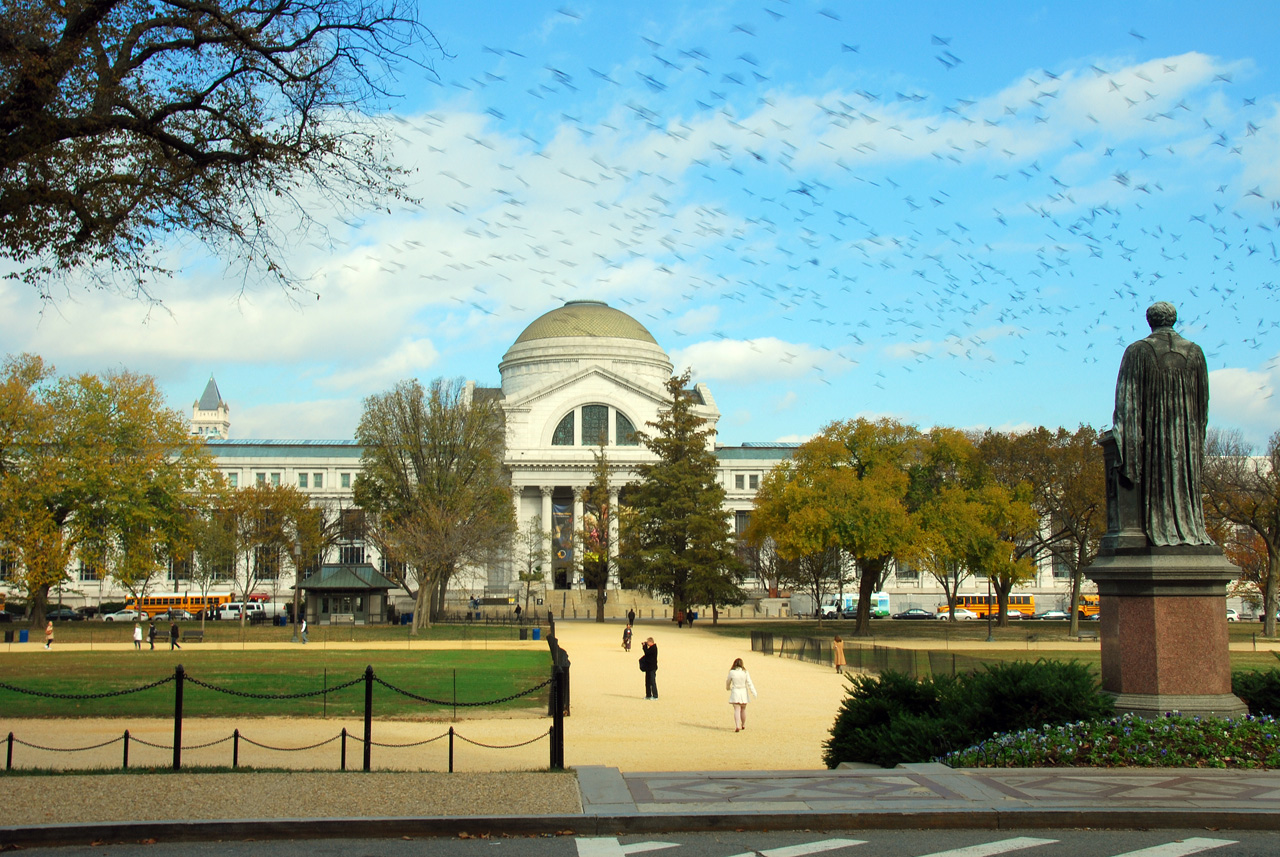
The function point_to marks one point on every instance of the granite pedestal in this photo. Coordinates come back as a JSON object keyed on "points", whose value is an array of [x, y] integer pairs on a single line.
{"points": [[1163, 620]]}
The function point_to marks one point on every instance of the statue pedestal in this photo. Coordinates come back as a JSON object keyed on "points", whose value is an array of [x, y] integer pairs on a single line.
{"points": [[1163, 618]]}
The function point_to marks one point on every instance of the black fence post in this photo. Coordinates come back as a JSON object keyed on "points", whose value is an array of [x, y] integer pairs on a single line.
{"points": [[125, 764], [178, 675], [368, 714], [8, 756], [344, 748], [451, 749], [235, 748], [455, 695]]}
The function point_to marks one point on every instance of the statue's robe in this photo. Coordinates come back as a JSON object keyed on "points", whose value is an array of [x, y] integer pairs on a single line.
{"points": [[1162, 408]]}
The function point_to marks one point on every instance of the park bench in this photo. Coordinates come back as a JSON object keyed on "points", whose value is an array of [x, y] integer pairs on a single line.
{"points": [[194, 635], [1087, 634]]}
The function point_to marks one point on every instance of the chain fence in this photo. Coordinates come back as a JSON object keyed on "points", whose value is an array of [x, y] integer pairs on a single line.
{"points": [[557, 680], [862, 658]]}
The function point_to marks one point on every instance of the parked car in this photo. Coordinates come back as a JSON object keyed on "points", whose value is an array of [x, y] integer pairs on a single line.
{"points": [[962, 614], [1232, 615], [1052, 614], [1017, 614], [914, 613], [64, 614], [125, 616], [177, 614]]}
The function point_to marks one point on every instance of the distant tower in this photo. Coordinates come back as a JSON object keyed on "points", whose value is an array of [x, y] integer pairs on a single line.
{"points": [[211, 417]]}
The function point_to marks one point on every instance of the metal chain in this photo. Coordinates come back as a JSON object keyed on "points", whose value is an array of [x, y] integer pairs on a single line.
{"points": [[248, 695], [293, 749], [106, 695], [149, 744], [67, 749], [447, 702], [410, 744], [504, 746]]}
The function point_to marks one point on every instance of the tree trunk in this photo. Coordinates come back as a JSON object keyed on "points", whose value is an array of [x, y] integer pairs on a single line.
{"points": [[39, 605], [1074, 608], [1002, 601], [1270, 591], [871, 570]]}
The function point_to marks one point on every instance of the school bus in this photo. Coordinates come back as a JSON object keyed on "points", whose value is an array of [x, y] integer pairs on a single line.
{"points": [[1088, 605], [1024, 604], [161, 602]]}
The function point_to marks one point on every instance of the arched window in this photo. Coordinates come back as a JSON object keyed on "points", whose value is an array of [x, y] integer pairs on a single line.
{"points": [[563, 435], [626, 431], [595, 425]]}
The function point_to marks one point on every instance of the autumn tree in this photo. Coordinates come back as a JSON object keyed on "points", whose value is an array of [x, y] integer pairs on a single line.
{"points": [[595, 538], [432, 474], [95, 466], [122, 123], [531, 547], [267, 521], [1242, 489], [845, 488], [677, 540]]}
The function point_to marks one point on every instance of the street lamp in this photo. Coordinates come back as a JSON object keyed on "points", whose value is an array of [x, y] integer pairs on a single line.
{"points": [[297, 579]]}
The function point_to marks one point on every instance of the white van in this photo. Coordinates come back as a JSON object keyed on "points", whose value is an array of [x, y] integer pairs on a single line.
{"points": [[233, 609]]}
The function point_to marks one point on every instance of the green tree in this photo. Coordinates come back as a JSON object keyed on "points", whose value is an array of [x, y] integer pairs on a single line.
{"points": [[595, 540], [267, 520], [1242, 489], [677, 539], [95, 466], [433, 475], [124, 122]]}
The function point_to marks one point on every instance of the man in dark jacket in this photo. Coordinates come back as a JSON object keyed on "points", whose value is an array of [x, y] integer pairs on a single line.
{"points": [[649, 663]]}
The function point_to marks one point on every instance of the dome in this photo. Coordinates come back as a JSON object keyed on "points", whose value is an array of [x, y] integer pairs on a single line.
{"points": [[585, 318]]}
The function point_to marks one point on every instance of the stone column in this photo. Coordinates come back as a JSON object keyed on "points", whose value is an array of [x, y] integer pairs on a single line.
{"points": [[577, 541], [547, 577], [613, 539]]}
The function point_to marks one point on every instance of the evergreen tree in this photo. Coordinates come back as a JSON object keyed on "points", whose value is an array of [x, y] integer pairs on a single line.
{"points": [[677, 540]]}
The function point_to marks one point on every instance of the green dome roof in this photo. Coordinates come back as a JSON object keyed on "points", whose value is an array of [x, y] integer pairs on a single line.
{"points": [[585, 318]]}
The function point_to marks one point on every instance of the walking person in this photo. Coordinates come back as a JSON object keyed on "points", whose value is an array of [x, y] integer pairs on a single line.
{"points": [[837, 653], [302, 630], [649, 666], [48, 634], [626, 638], [631, 616], [151, 635], [137, 635], [738, 684], [173, 636]]}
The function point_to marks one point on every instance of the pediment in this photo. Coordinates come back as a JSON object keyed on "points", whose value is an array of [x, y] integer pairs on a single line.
{"points": [[588, 381]]}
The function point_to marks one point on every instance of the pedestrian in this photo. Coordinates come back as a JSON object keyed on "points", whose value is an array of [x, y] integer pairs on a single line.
{"points": [[837, 653], [173, 636], [738, 684], [48, 634], [137, 635], [691, 615], [626, 638], [518, 611], [649, 666], [302, 630], [631, 616], [680, 618], [151, 635]]}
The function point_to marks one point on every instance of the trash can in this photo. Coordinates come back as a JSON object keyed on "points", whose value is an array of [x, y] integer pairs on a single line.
{"points": [[406, 618], [524, 634], [537, 634], [22, 635], [8, 636]]}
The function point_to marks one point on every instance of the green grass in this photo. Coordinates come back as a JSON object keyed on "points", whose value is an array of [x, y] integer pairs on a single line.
{"points": [[94, 632], [479, 676]]}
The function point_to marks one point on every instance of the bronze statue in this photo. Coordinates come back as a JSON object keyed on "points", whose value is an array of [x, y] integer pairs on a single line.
{"points": [[1162, 407]]}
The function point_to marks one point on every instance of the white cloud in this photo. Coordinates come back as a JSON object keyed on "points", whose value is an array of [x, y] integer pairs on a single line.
{"points": [[753, 360], [321, 419], [1246, 399]]}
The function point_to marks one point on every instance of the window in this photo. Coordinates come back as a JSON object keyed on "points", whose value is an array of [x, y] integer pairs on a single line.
{"points": [[392, 569], [233, 479], [595, 425], [563, 435], [180, 568], [741, 520], [317, 479], [266, 563], [351, 525], [738, 481], [88, 571], [753, 481], [275, 479], [350, 554], [260, 478], [345, 480], [8, 567], [302, 480], [905, 571], [626, 430]]}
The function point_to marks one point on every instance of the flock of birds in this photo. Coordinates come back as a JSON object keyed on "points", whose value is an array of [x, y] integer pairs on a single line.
{"points": [[854, 234]]}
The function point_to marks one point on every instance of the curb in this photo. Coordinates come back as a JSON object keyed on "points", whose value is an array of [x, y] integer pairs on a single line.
{"points": [[630, 823]]}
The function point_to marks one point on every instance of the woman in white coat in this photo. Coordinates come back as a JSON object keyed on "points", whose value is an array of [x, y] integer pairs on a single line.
{"points": [[738, 683]]}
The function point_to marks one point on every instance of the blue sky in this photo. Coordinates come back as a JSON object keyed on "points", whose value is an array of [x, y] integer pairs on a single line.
{"points": [[953, 214]]}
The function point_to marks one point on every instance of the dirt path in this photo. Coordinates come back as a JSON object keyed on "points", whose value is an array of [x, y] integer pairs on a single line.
{"points": [[689, 728]]}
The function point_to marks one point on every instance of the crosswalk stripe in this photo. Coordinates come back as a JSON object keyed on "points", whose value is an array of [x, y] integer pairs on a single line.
{"points": [[987, 849], [1180, 849], [608, 846], [805, 848]]}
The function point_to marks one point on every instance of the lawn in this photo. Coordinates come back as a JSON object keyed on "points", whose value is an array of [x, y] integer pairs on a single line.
{"points": [[473, 676], [94, 632]]}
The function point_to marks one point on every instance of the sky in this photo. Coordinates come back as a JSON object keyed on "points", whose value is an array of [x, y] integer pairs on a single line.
{"points": [[946, 213]]}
